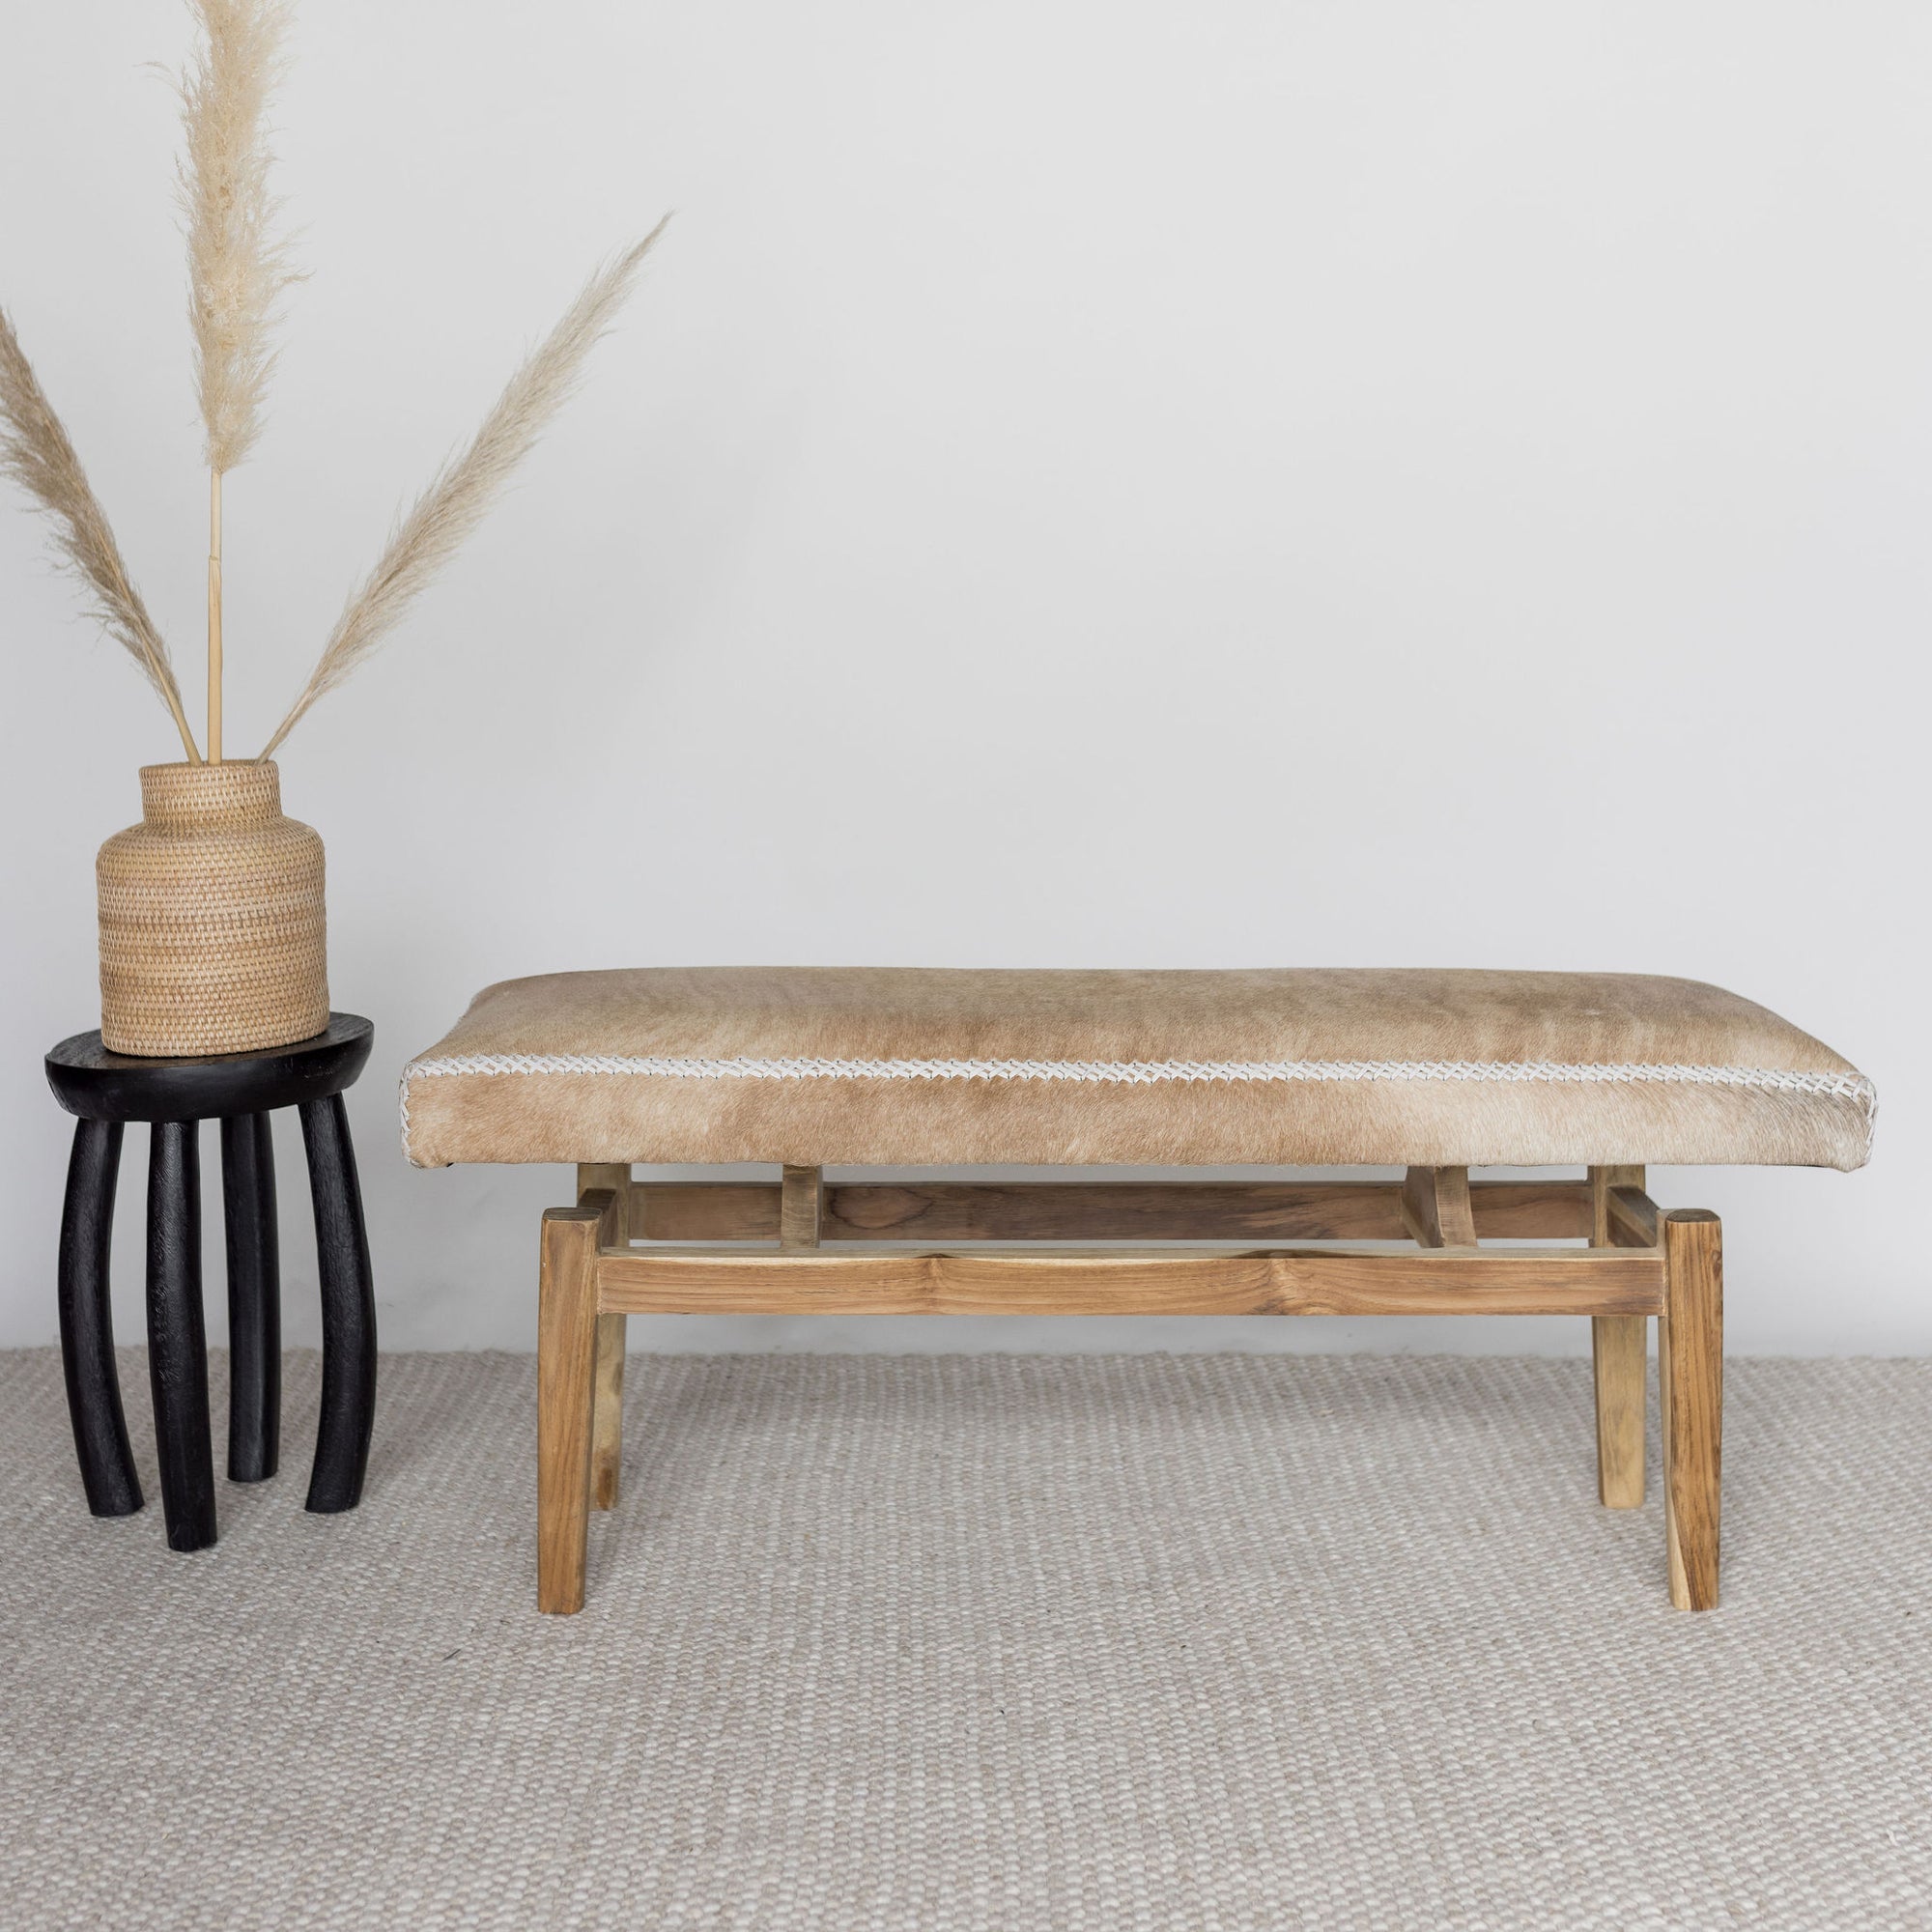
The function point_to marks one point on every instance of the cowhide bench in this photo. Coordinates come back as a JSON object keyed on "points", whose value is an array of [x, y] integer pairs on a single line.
{"points": [[1433, 1072]]}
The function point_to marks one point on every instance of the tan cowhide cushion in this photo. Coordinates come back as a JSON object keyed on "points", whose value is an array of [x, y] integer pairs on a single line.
{"points": [[907, 1066]]}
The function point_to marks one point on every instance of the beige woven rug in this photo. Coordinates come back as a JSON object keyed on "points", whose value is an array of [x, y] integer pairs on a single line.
{"points": [[1124, 1644]]}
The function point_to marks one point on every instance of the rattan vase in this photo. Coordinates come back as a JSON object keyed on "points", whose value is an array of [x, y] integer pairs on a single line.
{"points": [[211, 935]]}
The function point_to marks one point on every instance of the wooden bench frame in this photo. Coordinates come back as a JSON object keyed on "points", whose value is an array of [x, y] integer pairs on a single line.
{"points": [[871, 1248]]}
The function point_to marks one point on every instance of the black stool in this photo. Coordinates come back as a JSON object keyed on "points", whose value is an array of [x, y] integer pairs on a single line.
{"points": [[108, 1089]]}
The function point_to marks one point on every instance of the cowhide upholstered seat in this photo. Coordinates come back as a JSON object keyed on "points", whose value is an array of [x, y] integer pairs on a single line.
{"points": [[1431, 1072], [906, 1067]]}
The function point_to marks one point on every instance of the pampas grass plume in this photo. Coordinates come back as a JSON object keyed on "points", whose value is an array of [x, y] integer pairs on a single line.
{"points": [[35, 451], [237, 267], [460, 495]]}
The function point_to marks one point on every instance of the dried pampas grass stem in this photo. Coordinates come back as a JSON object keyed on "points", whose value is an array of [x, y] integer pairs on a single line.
{"points": [[35, 451], [461, 494]]}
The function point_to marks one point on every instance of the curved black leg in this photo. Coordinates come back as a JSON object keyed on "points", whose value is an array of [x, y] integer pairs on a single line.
{"points": [[177, 1344], [87, 1323], [254, 1297], [348, 1309]]}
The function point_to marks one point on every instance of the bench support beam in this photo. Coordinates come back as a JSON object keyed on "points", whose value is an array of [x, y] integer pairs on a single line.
{"points": [[1131, 1280], [1436, 1206], [1096, 1211], [801, 1206]]}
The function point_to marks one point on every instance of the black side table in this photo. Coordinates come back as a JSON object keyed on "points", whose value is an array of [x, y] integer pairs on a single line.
{"points": [[239, 1089]]}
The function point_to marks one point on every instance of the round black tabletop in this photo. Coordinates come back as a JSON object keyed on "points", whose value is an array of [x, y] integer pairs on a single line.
{"points": [[101, 1086]]}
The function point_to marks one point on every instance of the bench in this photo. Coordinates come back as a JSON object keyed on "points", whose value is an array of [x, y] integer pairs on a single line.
{"points": [[1432, 1073]]}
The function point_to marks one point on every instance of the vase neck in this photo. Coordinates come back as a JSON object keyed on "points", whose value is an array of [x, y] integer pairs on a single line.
{"points": [[186, 797]]}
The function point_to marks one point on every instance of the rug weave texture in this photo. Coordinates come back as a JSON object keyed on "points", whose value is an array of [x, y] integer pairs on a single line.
{"points": [[985, 1644]]}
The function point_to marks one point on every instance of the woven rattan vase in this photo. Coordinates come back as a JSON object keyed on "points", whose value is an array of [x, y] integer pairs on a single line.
{"points": [[212, 936]]}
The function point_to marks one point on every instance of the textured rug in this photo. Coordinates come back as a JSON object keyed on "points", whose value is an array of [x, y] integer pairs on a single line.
{"points": [[985, 1644]]}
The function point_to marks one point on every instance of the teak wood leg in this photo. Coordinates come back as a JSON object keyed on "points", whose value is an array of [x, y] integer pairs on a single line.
{"points": [[1691, 1376], [607, 1427], [254, 1298], [1691, 1363], [87, 1323], [566, 1369], [177, 1344], [1619, 1347], [348, 1310]]}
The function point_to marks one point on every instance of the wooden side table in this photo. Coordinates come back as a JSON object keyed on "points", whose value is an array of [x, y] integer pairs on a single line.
{"points": [[174, 1096]]}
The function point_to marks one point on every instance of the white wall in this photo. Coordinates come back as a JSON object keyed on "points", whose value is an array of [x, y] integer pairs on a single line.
{"points": [[1083, 484]]}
